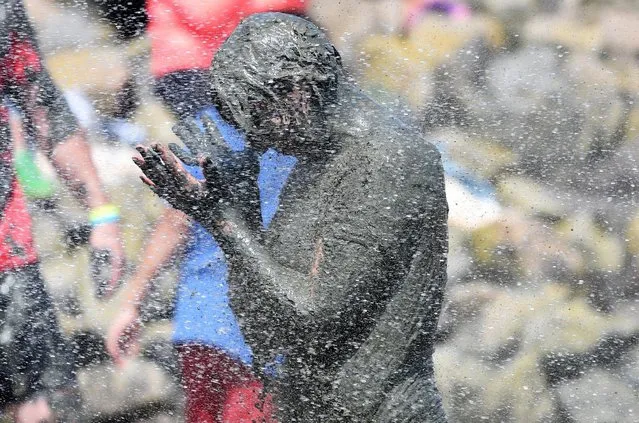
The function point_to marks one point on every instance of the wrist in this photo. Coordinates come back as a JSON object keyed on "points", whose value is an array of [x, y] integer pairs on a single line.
{"points": [[95, 195], [104, 214]]}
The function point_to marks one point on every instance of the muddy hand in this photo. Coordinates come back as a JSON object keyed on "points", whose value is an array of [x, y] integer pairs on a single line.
{"points": [[231, 176], [164, 174], [200, 142]]}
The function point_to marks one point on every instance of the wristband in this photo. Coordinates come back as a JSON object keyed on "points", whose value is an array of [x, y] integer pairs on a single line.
{"points": [[33, 182], [103, 215]]}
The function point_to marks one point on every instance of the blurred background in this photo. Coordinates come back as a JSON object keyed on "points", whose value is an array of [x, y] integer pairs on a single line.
{"points": [[533, 104]]}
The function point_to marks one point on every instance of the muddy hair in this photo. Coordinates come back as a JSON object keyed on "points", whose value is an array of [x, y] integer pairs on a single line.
{"points": [[265, 58]]}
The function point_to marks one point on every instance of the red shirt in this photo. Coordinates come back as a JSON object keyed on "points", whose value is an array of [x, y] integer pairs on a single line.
{"points": [[16, 242], [185, 34], [17, 248]]}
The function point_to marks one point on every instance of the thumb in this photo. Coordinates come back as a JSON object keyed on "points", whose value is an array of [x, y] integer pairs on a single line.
{"points": [[208, 167]]}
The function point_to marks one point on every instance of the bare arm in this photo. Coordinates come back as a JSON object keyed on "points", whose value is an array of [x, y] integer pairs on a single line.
{"points": [[47, 118], [72, 160], [169, 234]]}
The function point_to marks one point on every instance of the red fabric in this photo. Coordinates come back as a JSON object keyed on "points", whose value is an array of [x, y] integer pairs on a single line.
{"points": [[16, 242], [220, 389], [186, 33], [4, 112], [21, 60]]}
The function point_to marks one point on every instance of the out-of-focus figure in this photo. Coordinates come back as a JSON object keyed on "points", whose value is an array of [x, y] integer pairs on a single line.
{"points": [[215, 359], [415, 10], [33, 359]]}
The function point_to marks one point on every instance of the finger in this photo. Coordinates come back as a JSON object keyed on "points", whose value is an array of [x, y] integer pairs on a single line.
{"points": [[146, 161], [214, 136], [160, 166], [152, 165], [140, 163], [165, 154], [187, 159], [148, 173], [144, 152], [191, 136], [156, 151], [147, 181], [172, 168]]}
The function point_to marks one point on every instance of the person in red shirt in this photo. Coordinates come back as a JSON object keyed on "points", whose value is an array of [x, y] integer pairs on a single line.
{"points": [[185, 35], [33, 359]]}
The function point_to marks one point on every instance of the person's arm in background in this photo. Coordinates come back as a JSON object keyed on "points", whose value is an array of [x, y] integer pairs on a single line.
{"points": [[170, 232], [72, 160], [47, 117]]}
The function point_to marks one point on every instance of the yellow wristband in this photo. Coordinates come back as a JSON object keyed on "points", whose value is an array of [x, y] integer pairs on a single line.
{"points": [[107, 213]]}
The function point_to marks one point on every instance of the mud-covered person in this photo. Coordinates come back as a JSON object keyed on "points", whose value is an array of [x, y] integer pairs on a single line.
{"points": [[34, 368], [347, 282]]}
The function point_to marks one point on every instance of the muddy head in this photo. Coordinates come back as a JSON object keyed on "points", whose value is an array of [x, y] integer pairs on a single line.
{"points": [[277, 77]]}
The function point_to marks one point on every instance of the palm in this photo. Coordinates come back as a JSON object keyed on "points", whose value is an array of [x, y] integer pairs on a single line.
{"points": [[166, 176], [231, 176]]}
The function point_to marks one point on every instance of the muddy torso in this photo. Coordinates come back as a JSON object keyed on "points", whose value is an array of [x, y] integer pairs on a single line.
{"points": [[366, 208]]}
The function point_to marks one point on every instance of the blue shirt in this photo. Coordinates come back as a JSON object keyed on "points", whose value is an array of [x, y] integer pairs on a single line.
{"points": [[202, 313]]}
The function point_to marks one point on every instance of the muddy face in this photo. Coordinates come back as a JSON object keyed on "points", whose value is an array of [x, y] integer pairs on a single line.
{"points": [[293, 125], [275, 78]]}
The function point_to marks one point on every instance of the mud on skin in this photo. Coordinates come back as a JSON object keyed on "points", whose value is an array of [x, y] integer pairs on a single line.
{"points": [[347, 282]]}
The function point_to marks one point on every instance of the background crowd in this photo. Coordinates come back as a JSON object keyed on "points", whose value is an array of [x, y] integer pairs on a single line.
{"points": [[533, 104]]}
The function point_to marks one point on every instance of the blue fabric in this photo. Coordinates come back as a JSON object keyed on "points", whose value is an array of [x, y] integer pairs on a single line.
{"points": [[202, 313], [274, 171]]}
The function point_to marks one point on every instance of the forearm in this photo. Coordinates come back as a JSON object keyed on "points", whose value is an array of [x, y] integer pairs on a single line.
{"points": [[72, 160], [290, 287], [170, 233]]}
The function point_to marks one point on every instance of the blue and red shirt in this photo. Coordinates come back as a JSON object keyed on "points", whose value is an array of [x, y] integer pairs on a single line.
{"points": [[203, 314]]}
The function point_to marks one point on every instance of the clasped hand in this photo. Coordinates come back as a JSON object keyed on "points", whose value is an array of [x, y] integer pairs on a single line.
{"points": [[230, 176]]}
